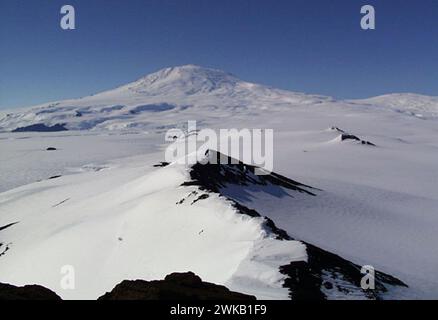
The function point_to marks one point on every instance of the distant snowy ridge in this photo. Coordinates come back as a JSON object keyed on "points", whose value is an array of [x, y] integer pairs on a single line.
{"points": [[182, 91], [189, 89], [410, 103], [172, 89]]}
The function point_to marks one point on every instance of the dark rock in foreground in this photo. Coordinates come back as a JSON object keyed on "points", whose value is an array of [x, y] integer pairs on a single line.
{"points": [[176, 286], [31, 292]]}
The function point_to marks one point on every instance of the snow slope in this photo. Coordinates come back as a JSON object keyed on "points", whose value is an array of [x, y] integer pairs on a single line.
{"points": [[417, 105], [127, 224], [145, 222], [377, 205]]}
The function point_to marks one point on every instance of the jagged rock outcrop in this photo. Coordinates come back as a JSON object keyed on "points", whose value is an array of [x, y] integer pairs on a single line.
{"points": [[176, 286], [348, 136], [324, 274], [30, 292]]}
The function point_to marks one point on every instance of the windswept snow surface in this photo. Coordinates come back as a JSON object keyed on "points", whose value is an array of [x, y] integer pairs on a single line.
{"points": [[127, 224], [377, 204]]}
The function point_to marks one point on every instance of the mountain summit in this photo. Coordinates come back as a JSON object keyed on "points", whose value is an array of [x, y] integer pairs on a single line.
{"points": [[188, 79], [180, 90], [189, 90], [194, 82]]}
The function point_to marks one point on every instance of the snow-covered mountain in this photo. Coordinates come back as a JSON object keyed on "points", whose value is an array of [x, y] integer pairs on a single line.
{"points": [[89, 194], [187, 91], [171, 90]]}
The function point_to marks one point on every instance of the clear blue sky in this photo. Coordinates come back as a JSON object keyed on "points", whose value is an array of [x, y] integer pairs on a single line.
{"points": [[314, 46]]}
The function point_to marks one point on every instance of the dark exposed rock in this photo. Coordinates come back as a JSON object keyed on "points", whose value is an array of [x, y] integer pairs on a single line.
{"points": [[346, 136], [223, 170], [176, 286], [60, 203], [305, 280], [193, 193], [7, 226], [51, 149], [30, 292], [152, 108], [368, 143], [328, 285], [3, 249], [55, 177], [161, 164], [41, 127], [268, 224], [201, 197], [337, 129]]}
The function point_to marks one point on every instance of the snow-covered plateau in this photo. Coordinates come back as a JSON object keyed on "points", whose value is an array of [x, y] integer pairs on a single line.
{"points": [[82, 185]]}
